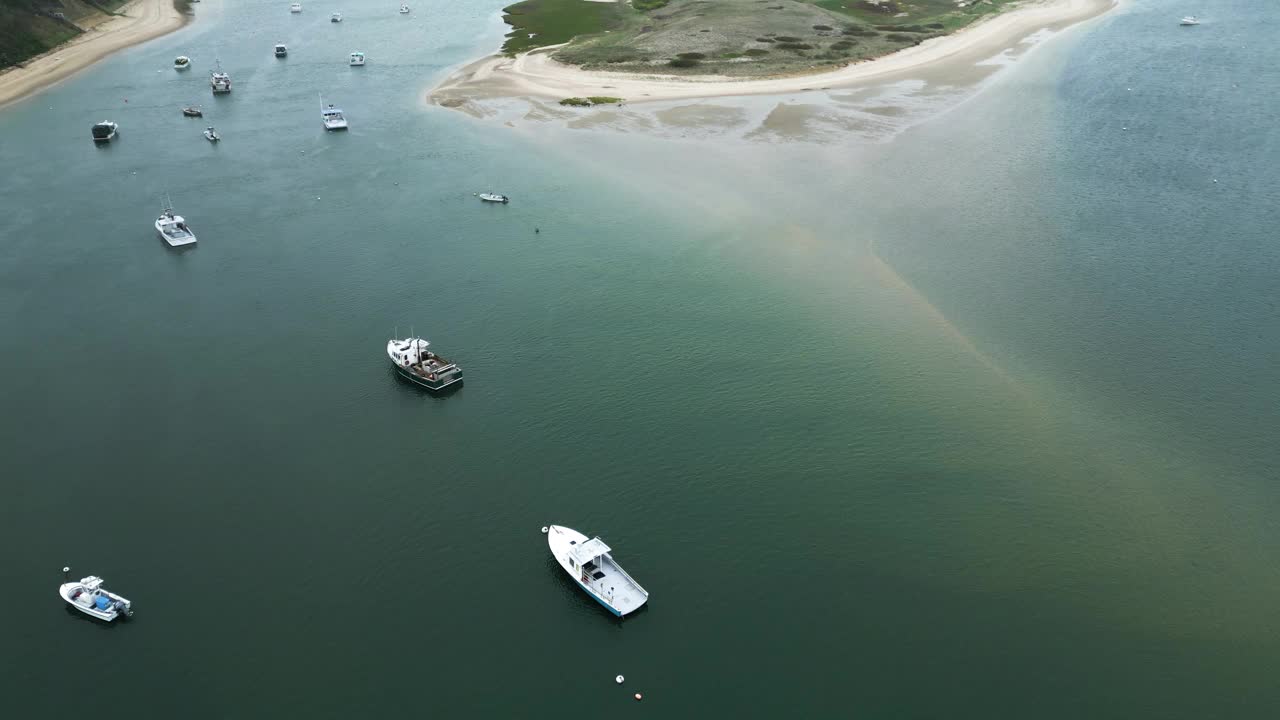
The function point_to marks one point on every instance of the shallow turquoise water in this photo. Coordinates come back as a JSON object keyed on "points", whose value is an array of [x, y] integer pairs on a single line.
{"points": [[978, 422]]}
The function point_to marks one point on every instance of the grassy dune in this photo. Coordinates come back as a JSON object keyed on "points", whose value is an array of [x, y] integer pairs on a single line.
{"points": [[31, 27], [733, 37]]}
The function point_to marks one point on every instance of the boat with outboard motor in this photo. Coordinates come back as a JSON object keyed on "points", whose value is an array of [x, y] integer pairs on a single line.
{"points": [[89, 597], [591, 566], [282, 50], [1189, 20], [357, 59], [493, 197], [404, 9], [211, 135], [192, 111], [173, 228], [182, 62], [336, 17], [295, 8], [421, 366], [105, 131]]}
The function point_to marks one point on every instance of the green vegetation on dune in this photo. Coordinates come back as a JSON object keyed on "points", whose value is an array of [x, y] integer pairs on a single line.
{"points": [[551, 22], [31, 27], [732, 37]]}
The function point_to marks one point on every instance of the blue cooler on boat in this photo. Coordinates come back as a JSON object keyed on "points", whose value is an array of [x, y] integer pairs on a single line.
{"points": [[102, 602]]}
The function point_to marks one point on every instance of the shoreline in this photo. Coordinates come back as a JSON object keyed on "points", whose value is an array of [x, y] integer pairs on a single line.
{"points": [[535, 74], [141, 20]]}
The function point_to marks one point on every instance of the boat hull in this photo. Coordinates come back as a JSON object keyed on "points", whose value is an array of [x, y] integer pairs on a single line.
{"points": [[67, 591], [434, 386], [631, 598]]}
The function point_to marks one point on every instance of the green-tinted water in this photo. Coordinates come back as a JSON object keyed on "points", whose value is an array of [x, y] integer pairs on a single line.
{"points": [[975, 423]]}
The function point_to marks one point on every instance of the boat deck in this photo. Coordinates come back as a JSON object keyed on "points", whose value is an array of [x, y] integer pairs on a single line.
{"points": [[615, 586]]}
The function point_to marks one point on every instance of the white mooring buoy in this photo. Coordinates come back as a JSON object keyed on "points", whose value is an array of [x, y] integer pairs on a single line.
{"points": [[618, 679], [639, 696], [544, 529]]}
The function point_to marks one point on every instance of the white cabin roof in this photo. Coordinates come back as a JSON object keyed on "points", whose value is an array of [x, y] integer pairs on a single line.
{"points": [[586, 552]]}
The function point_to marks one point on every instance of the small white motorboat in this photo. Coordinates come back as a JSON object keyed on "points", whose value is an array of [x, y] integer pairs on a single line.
{"points": [[590, 565], [336, 17], [421, 366], [332, 117], [211, 135], [173, 228], [1189, 20], [105, 131], [404, 9], [357, 59], [89, 597], [295, 8], [493, 197], [282, 50], [219, 80], [192, 111], [182, 62]]}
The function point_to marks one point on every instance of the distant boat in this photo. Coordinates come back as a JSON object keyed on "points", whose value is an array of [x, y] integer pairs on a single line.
{"points": [[295, 8], [219, 80], [336, 17], [89, 597], [404, 9], [173, 228], [332, 117], [192, 111], [211, 135], [281, 50], [494, 198], [1189, 20], [357, 58], [182, 62], [105, 131], [421, 366], [591, 566]]}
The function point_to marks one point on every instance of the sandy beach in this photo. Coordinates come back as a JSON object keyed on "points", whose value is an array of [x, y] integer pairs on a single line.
{"points": [[536, 75], [141, 20]]}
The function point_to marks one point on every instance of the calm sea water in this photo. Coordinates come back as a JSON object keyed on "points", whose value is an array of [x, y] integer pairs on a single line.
{"points": [[975, 423]]}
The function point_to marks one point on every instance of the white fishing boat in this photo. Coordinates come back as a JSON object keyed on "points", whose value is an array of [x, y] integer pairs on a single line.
{"points": [[421, 366], [105, 131], [493, 197], [1189, 20], [89, 597], [219, 80], [404, 9], [336, 17], [332, 117], [182, 62], [282, 50], [211, 135], [590, 565], [173, 228], [295, 8], [357, 58]]}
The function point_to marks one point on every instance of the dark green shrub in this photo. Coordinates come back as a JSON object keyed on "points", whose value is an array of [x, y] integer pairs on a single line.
{"points": [[691, 56], [756, 52], [683, 62], [793, 46]]}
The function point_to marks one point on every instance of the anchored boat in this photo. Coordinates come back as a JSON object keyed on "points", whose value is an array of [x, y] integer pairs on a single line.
{"points": [[220, 81], [332, 117], [89, 597], [282, 50], [590, 565], [295, 8], [105, 131], [182, 62], [494, 198], [211, 135], [357, 58], [404, 9], [173, 228], [421, 366], [192, 111], [1189, 20], [336, 17]]}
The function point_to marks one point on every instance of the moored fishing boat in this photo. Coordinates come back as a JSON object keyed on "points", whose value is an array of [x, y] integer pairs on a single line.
{"points": [[282, 50], [336, 17], [104, 131], [591, 566], [1189, 20], [173, 228], [295, 8], [182, 62], [211, 135], [89, 597], [404, 9], [331, 116], [421, 366], [357, 58], [219, 80], [493, 197], [192, 111]]}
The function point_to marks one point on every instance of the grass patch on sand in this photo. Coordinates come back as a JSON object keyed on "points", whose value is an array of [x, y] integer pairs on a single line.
{"points": [[589, 101]]}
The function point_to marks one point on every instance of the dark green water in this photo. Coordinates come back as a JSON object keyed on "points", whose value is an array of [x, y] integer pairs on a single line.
{"points": [[976, 423]]}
